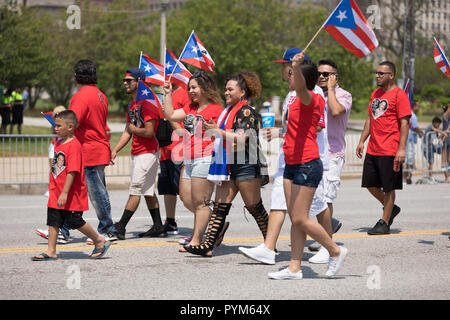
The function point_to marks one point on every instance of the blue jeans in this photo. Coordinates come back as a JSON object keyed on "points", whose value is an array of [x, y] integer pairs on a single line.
{"points": [[96, 184], [306, 174]]}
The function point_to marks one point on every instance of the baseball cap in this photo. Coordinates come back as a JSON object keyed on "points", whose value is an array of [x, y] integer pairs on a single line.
{"points": [[290, 53], [136, 73]]}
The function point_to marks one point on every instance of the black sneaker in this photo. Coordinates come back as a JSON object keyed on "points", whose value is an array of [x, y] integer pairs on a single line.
{"points": [[154, 231], [120, 231], [380, 228], [394, 213], [170, 228], [408, 181]]}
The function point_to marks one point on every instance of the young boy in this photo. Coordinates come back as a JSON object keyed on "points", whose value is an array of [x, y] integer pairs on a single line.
{"points": [[68, 196], [433, 142]]}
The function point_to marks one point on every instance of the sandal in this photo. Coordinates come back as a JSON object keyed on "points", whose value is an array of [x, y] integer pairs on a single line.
{"points": [[102, 251], [45, 257]]}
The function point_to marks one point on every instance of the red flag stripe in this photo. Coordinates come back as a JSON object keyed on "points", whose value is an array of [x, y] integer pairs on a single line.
{"points": [[344, 41], [365, 32]]}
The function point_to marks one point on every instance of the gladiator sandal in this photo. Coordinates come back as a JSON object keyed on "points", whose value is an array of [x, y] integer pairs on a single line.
{"points": [[260, 215], [216, 230]]}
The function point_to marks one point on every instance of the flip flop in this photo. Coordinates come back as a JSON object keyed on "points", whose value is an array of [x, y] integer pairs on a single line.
{"points": [[45, 257], [101, 250]]}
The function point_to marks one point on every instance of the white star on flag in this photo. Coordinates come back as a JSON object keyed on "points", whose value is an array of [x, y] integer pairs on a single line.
{"points": [[145, 92], [194, 49], [168, 66], [147, 68], [342, 15]]}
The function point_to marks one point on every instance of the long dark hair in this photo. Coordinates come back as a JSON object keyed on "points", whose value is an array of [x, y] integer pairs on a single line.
{"points": [[208, 87]]}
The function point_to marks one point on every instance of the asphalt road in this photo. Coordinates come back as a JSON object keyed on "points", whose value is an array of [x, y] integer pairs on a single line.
{"points": [[411, 263]]}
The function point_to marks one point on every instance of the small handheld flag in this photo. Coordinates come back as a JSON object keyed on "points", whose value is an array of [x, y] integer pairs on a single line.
{"points": [[48, 116], [194, 53], [408, 91], [349, 27], [441, 60], [154, 70], [177, 71], [146, 93]]}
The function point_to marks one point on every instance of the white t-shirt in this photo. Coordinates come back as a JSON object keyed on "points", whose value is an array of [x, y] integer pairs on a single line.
{"points": [[322, 136]]}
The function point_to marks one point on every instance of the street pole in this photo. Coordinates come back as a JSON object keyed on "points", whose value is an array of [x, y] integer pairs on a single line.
{"points": [[408, 44], [164, 7]]}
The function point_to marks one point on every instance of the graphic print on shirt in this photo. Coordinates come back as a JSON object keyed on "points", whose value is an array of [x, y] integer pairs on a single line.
{"points": [[379, 107], [191, 123], [58, 164], [136, 116]]}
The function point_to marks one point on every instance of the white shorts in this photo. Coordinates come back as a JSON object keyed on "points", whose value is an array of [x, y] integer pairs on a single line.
{"points": [[332, 178], [278, 200], [144, 168], [197, 168]]}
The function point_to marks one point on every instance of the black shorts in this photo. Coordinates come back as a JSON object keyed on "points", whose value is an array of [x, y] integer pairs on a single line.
{"points": [[241, 172], [57, 217], [379, 172], [169, 178], [17, 115], [6, 115]]}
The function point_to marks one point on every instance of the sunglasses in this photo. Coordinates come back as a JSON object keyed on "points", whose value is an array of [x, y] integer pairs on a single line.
{"points": [[128, 80], [326, 74], [379, 73]]}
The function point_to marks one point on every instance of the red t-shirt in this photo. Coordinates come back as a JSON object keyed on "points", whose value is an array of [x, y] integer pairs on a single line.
{"points": [[142, 112], [386, 110], [91, 107], [68, 158], [196, 143], [300, 140], [180, 99]]}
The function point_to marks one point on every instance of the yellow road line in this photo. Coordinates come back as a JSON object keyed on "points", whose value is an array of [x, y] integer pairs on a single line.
{"points": [[229, 240]]}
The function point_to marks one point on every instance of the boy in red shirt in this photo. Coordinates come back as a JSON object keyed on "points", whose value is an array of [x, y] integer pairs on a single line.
{"points": [[68, 196], [388, 127]]}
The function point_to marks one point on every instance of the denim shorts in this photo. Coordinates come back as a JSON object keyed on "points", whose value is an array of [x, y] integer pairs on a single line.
{"points": [[306, 174], [241, 172], [196, 168]]}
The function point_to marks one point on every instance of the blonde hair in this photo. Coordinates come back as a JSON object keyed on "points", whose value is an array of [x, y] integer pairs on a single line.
{"points": [[57, 110]]}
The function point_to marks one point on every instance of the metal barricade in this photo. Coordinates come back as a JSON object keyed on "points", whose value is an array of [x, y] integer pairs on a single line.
{"points": [[434, 152], [24, 160]]}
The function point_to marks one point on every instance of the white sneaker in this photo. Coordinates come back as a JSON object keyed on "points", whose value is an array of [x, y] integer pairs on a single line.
{"points": [[185, 241], [108, 237], [46, 194], [335, 264], [320, 257], [44, 234], [259, 253], [285, 274]]}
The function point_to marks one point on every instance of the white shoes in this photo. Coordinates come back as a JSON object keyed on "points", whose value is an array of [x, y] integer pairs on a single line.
{"points": [[260, 253], [320, 257], [285, 274], [335, 264]]}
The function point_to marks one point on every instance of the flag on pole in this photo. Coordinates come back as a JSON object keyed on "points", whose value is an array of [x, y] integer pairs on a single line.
{"points": [[194, 53], [441, 60], [48, 116], [175, 70], [154, 70], [408, 91], [349, 27]]}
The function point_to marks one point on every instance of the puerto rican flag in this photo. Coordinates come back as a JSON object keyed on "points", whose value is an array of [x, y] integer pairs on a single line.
{"points": [[408, 91], [194, 53], [48, 116], [441, 60], [144, 92], [154, 70], [175, 71], [348, 26]]}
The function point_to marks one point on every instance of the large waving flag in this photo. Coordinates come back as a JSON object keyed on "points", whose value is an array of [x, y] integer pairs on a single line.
{"points": [[441, 60], [194, 53], [175, 70], [408, 91], [154, 70], [348, 26]]}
